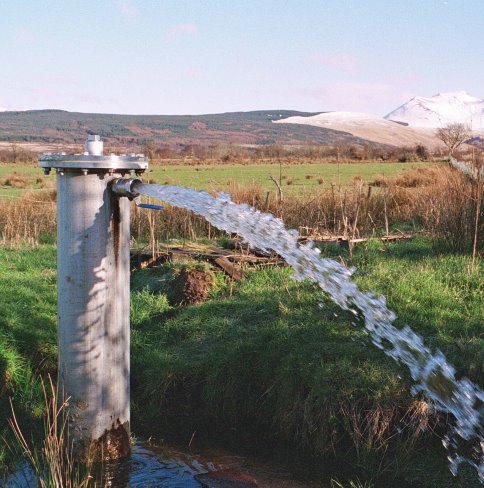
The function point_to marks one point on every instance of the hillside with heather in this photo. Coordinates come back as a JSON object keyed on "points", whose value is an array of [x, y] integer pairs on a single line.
{"points": [[62, 127]]}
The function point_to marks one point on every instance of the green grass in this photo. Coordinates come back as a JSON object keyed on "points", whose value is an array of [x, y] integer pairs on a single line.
{"points": [[9, 192], [27, 332], [223, 175], [262, 361], [219, 176], [270, 361], [30, 172]]}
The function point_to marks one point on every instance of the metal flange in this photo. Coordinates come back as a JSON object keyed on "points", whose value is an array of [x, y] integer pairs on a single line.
{"points": [[93, 159]]}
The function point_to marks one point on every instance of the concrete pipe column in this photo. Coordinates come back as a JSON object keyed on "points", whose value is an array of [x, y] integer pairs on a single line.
{"points": [[93, 275]]}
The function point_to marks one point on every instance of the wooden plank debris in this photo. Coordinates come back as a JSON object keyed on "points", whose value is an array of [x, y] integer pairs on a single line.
{"points": [[230, 260], [229, 268], [345, 241]]}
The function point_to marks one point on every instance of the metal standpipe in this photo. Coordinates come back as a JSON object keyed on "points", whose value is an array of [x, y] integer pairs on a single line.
{"points": [[93, 282]]}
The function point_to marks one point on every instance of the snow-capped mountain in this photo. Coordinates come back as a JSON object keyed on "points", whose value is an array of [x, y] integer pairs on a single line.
{"points": [[440, 110]]}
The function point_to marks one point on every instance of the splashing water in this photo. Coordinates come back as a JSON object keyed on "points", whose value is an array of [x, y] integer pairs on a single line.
{"points": [[433, 375]]}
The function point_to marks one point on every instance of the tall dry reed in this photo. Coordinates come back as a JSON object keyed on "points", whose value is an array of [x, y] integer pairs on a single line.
{"points": [[52, 465], [451, 208], [439, 200], [24, 219]]}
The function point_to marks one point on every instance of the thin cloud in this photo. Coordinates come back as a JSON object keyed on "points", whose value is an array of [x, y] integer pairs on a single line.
{"points": [[375, 97], [347, 63], [181, 30], [126, 7]]}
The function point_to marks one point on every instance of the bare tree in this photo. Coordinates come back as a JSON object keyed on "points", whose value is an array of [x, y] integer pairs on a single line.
{"points": [[453, 135]]}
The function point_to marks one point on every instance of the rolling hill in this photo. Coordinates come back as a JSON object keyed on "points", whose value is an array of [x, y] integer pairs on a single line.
{"points": [[62, 127], [369, 127]]}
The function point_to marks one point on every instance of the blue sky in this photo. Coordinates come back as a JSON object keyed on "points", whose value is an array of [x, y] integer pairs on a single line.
{"points": [[209, 56]]}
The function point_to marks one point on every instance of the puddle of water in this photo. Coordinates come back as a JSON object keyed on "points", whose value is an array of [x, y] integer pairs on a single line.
{"points": [[151, 466], [148, 468]]}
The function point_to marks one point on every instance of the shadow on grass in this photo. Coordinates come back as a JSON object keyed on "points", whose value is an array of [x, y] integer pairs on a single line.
{"points": [[27, 334]]}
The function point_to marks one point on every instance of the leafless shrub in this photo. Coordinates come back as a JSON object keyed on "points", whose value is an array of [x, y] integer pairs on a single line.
{"points": [[453, 136], [422, 152], [17, 155]]}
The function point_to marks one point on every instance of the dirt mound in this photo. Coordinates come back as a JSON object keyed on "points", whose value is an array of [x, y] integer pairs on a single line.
{"points": [[192, 286]]}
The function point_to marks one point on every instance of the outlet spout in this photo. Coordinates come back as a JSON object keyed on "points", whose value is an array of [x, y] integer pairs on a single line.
{"points": [[126, 187]]}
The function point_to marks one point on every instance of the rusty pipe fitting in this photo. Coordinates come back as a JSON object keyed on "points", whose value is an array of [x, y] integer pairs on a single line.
{"points": [[125, 187]]}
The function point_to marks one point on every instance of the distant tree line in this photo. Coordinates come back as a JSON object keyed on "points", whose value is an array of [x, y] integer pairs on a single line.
{"points": [[17, 155], [233, 153], [336, 153]]}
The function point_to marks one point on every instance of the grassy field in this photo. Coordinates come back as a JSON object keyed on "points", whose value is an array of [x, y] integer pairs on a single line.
{"points": [[261, 361], [16, 178], [295, 178]]}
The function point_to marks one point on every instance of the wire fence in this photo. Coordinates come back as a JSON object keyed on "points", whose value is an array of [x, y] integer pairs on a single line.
{"points": [[474, 171]]}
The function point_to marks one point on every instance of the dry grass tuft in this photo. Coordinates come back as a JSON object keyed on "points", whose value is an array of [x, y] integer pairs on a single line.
{"points": [[15, 181], [372, 431], [53, 465], [450, 208], [23, 220], [411, 179]]}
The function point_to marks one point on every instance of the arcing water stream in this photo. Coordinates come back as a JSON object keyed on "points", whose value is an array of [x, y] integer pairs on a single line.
{"points": [[434, 376]]}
